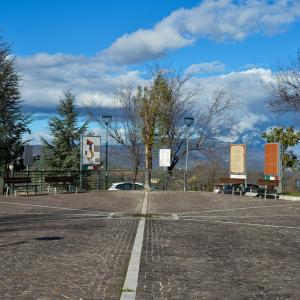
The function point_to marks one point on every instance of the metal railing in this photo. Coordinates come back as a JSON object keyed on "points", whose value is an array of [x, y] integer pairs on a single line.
{"points": [[89, 180]]}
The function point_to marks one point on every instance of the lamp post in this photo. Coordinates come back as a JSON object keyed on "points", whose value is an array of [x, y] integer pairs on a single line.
{"points": [[188, 122], [106, 119]]}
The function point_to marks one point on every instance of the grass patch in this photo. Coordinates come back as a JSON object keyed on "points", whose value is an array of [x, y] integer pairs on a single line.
{"points": [[124, 291], [127, 290], [295, 194]]}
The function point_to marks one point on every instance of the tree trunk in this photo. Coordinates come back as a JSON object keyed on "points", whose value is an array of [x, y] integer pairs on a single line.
{"points": [[2, 175], [148, 165], [136, 170]]}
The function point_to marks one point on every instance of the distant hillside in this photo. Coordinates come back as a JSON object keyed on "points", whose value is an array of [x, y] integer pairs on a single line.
{"points": [[119, 156]]}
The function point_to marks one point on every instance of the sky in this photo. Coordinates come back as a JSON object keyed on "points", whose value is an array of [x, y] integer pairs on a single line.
{"points": [[95, 48]]}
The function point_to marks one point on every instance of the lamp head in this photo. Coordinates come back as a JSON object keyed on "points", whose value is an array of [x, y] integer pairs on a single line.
{"points": [[106, 119], [188, 121]]}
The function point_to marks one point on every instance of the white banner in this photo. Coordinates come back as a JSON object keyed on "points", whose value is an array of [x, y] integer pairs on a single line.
{"points": [[238, 176], [164, 157], [90, 150], [237, 159]]}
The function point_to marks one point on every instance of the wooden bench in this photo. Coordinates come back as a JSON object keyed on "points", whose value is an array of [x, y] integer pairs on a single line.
{"points": [[60, 181], [15, 183], [236, 184], [271, 187]]}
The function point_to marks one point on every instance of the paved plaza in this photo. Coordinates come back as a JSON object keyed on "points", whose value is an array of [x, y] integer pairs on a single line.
{"points": [[193, 246]]}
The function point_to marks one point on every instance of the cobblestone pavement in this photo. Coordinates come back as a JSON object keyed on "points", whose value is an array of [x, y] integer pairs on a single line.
{"points": [[68, 251], [196, 246], [221, 247]]}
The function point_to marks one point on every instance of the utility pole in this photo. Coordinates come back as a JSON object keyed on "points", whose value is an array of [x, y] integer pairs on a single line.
{"points": [[188, 121]]}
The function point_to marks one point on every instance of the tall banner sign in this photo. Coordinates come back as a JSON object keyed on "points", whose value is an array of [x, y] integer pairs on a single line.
{"points": [[90, 152], [238, 160], [273, 163], [164, 157]]}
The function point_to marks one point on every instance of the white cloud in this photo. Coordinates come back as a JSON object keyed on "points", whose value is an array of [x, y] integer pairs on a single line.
{"points": [[34, 138], [205, 68], [46, 76], [247, 128], [144, 44], [218, 20], [249, 87], [249, 122]]}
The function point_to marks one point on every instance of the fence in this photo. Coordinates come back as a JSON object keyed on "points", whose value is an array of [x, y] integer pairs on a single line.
{"points": [[96, 180]]}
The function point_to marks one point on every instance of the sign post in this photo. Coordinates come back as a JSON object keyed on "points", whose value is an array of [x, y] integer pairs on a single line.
{"points": [[89, 154], [165, 161], [273, 164], [238, 162]]}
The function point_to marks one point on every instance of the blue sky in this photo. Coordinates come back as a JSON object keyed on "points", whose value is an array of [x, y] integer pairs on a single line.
{"points": [[96, 47]]}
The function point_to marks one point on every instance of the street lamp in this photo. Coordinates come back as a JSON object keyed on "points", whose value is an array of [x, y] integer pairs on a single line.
{"points": [[188, 122], [106, 119]]}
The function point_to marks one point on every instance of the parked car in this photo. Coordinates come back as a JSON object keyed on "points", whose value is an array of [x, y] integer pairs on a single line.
{"points": [[217, 189], [270, 193], [127, 186], [253, 188]]}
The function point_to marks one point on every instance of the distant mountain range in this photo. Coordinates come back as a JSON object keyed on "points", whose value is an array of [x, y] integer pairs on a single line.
{"points": [[119, 156]]}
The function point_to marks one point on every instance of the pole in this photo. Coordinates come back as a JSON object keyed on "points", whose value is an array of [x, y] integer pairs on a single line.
{"points": [[186, 160], [80, 170], [165, 182], [106, 158], [280, 184]]}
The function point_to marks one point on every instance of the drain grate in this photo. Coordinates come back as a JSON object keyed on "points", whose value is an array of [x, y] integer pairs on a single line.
{"points": [[49, 238], [146, 216]]}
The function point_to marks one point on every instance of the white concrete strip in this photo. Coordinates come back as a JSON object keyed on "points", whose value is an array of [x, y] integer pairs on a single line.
{"points": [[245, 224], [289, 198], [239, 208], [144, 208], [131, 280], [175, 217], [111, 216], [52, 207]]}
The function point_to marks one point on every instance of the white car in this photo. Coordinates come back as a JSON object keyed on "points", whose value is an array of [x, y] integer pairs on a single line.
{"points": [[127, 186], [217, 189]]}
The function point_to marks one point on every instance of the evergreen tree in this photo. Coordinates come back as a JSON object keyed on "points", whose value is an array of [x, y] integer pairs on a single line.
{"points": [[13, 123], [63, 152]]}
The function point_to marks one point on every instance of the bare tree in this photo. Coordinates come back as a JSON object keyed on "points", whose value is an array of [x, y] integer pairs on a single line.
{"points": [[153, 116], [175, 101], [285, 90], [211, 121], [160, 105], [165, 103], [125, 128]]}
